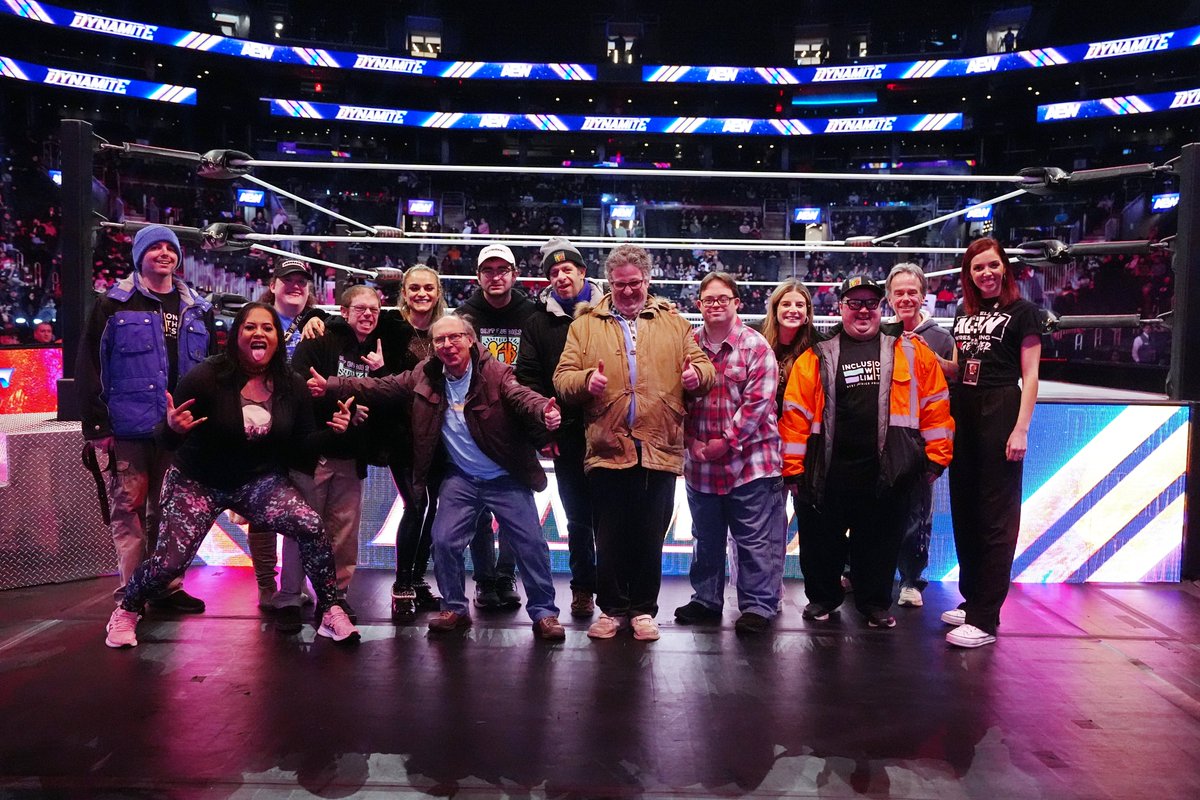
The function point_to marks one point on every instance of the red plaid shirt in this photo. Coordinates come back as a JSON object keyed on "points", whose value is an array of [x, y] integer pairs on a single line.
{"points": [[740, 409]]}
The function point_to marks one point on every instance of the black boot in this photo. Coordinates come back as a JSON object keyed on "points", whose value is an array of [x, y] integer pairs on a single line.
{"points": [[426, 599], [403, 600]]}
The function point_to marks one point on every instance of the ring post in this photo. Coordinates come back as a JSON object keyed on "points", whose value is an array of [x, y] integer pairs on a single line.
{"points": [[78, 225], [1183, 381]]}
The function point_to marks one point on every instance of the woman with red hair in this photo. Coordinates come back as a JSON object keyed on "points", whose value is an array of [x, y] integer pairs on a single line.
{"points": [[999, 344]]}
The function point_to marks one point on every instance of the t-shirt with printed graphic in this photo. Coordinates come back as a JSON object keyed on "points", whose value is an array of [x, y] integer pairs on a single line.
{"points": [[171, 322], [855, 432], [994, 336]]}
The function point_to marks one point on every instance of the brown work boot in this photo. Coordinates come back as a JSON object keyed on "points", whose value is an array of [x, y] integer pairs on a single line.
{"points": [[550, 629], [582, 604], [449, 621]]}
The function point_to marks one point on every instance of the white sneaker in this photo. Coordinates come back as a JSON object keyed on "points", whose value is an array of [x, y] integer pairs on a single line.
{"points": [[969, 636], [606, 627], [910, 596], [644, 628], [337, 626], [955, 616], [122, 628]]}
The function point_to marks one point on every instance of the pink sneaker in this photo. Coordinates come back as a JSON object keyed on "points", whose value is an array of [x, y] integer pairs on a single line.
{"points": [[336, 625], [122, 628]]}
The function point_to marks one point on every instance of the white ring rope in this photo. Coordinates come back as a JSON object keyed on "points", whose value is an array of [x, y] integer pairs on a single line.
{"points": [[633, 171], [309, 203], [780, 245], [311, 260], [951, 215]]}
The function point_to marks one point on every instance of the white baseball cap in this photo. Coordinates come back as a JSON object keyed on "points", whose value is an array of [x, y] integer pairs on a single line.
{"points": [[499, 251]]}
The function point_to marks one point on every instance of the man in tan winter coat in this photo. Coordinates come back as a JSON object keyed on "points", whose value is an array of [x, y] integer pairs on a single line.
{"points": [[628, 361]]}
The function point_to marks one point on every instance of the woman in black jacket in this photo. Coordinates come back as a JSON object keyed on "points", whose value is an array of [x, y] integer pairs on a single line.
{"points": [[244, 417]]}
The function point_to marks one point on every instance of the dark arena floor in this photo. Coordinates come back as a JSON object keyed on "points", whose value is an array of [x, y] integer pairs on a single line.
{"points": [[1093, 691]]}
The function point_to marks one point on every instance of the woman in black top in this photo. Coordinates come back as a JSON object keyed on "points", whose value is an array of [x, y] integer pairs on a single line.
{"points": [[244, 417], [999, 343]]}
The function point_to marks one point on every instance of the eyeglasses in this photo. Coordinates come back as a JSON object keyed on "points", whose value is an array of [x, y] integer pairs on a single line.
{"points": [[631, 286], [371, 311], [717, 302], [449, 338], [858, 303], [491, 274]]}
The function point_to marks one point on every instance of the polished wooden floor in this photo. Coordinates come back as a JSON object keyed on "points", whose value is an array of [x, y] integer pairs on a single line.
{"points": [[1091, 692]]}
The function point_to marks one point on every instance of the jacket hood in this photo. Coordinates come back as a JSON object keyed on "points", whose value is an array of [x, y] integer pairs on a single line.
{"points": [[123, 289], [550, 304]]}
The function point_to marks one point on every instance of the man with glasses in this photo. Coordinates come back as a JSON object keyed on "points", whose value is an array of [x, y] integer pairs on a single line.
{"points": [[469, 410], [630, 361], [865, 414], [733, 468], [334, 487], [498, 311]]}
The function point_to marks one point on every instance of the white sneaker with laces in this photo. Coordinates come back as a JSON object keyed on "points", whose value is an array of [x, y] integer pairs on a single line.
{"points": [[910, 596], [955, 616], [969, 636], [606, 627], [336, 625], [122, 628], [645, 629]]}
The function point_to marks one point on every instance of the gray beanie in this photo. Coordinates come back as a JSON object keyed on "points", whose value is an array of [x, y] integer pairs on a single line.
{"points": [[558, 250]]}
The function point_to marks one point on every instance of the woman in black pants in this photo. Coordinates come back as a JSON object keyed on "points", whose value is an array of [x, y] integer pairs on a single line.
{"points": [[999, 343], [406, 343]]}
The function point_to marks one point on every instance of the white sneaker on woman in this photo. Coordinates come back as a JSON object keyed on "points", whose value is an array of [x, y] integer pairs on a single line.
{"points": [[969, 636]]}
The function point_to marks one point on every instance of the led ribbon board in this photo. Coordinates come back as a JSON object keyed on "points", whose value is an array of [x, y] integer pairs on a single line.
{"points": [[555, 122], [306, 56], [936, 68], [90, 82], [1119, 106]]}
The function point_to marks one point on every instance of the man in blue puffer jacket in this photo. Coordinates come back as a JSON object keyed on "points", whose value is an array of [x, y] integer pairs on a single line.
{"points": [[141, 337]]}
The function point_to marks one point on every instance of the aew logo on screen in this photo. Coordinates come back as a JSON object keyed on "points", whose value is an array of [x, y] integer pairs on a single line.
{"points": [[393, 116], [867, 72], [387, 64], [1125, 47], [863, 125], [722, 74], [1186, 99], [116, 27], [1063, 110], [983, 64], [621, 124], [81, 80]]}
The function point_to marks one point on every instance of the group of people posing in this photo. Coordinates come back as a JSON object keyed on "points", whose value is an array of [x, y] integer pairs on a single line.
{"points": [[610, 383]]}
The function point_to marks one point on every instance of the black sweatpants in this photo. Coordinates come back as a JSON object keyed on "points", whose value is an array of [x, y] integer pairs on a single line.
{"points": [[985, 499], [632, 511], [876, 526]]}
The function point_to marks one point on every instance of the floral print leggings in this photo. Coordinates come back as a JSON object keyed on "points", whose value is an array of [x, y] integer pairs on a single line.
{"points": [[190, 508]]}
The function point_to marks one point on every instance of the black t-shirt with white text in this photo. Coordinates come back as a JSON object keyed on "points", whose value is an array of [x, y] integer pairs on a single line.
{"points": [[994, 336], [171, 321], [855, 438]]}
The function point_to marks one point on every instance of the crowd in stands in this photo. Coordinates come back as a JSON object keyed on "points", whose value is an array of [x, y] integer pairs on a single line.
{"points": [[540, 206]]}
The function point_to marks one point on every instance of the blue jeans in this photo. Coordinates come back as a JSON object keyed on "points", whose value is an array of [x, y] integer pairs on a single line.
{"points": [[754, 515], [918, 528], [460, 502]]}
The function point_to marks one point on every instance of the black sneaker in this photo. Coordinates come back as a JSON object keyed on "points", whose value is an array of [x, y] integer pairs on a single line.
{"points": [[485, 596], [506, 592], [404, 600], [815, 612], [288, 621], [180, 602], [750, 622], [349, 609], [426, 599], [696, 614], [880, 619]]}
